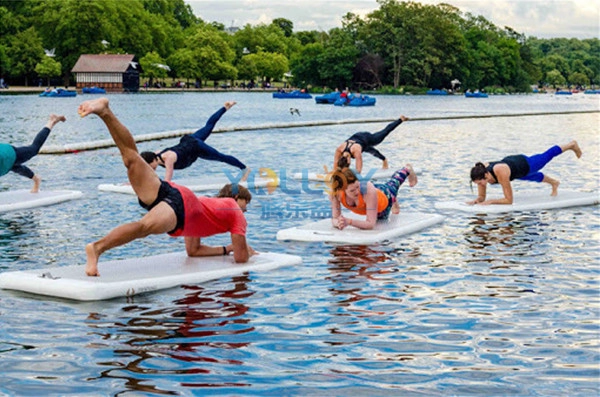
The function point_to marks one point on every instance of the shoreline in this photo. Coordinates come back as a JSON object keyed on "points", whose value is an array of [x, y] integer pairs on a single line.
{"points": [[22, 90]]}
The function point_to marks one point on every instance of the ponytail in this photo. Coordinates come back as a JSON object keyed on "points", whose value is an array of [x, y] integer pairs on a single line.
{"points": [[478, 172]]}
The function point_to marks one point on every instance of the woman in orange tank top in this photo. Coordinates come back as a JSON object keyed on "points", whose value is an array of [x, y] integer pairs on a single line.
{"points": [[376, 201]]}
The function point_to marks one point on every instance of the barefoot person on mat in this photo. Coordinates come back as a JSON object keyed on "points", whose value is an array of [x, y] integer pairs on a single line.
{"points": [[172, 209], [376, 201], [360, 142], [519, 166], [13, 157], [192, 147]]}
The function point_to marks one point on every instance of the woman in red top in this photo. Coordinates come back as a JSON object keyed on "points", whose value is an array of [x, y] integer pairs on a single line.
{"points": [[172, 209]]}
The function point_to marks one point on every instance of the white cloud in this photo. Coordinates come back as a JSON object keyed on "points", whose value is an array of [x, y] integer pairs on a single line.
{"points": [[540, 18]]}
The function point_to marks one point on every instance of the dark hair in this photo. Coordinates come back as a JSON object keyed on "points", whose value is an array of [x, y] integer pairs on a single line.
{"points": [[478, 172], [341, 178], [235, 191], [343, 162], [149, 156]]}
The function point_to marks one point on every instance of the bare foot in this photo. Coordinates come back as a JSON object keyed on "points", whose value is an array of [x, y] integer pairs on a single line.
{"points": [[574, 146], [395, 208], [36, 184], [385, 165], [91, 267], [96, 106], [245, 177], [554, 183], [55, 119], [404, 118], [229, 104], [412, 176]]}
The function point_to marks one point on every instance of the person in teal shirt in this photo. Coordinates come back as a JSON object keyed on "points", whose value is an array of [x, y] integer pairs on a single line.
{"points": [[13, 157]]}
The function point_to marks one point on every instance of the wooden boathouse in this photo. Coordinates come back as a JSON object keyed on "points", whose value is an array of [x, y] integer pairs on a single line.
{"points": [[113, 72]]}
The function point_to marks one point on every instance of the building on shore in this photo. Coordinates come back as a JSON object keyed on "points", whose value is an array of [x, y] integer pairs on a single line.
{"points": [[113, 72]]}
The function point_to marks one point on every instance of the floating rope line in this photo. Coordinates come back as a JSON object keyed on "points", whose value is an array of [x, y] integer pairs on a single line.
{"points": [[106, 143]]}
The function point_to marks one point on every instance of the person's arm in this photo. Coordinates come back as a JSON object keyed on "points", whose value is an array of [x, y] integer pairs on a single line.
{"points": [[336, 157], [371, 202], [169, 159], [336, 211], [195, 248], [502, 172], [481, 193], [358, 158], [241, 250]]}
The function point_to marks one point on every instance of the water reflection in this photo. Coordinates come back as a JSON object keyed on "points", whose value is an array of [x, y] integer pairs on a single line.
{"points": [[515, 235], [191, 337], [16, 231]]}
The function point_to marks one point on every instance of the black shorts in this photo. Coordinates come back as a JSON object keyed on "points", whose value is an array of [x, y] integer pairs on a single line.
{"points": [[171, 196]]}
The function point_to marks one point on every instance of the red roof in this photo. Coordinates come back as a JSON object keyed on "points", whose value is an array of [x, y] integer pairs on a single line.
{"points": [[107, 63]]}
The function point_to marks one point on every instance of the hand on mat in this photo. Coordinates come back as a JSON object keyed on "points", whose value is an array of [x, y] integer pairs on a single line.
{"points": [[342, 222]]}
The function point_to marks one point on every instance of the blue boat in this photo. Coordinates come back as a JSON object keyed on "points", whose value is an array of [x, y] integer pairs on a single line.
{"points": [[93, 90], [591, 92], [475, 94], [362, 100], [59, 92], [563, 93], [328, 98], [437, 92], [296, 94]]}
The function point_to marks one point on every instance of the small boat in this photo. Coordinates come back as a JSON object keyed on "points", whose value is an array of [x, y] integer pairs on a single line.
{"points": [[437, 92], [591, 92], [328, 98], [93, 90], [59, 92], [476, 94], [362, 100], [296, 94], [563, 93]]}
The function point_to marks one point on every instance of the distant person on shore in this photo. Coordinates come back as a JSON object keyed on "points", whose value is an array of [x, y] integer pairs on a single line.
{"points": [[360, 142], [192, 147], [518, 166], [172, 208], [13, 157], [376, 201]]}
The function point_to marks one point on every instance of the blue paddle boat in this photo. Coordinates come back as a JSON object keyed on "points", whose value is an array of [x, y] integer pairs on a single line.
{"points": [[476, 94], [59, 93], [328, 98], [296, 94], [437, 92], [93, 90], [362, 100]]}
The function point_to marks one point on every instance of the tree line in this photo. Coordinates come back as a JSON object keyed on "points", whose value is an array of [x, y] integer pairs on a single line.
{"points": [[398, 46]]}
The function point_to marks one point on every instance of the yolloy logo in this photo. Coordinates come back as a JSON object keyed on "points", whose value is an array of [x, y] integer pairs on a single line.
{"points": [[267, 180]]}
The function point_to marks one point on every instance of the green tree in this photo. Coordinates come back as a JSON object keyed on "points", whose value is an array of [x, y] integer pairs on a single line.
{"points": [[184, 64], [48, 68], [579, 79], [25, 51], [153, 67], [555, 78], [285, 25]]}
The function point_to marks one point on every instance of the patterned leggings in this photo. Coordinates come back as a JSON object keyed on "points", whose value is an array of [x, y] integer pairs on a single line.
{"points": [[390, 189]]}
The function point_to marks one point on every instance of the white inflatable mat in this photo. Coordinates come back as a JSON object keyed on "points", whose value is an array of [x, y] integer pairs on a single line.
{"points": [[197, 184], [128, 277], [527, 201], [380, 173], [23, 199], [397, 225]]}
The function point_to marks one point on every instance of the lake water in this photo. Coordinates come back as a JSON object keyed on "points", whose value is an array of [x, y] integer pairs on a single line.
{"points": [[503, 305]]}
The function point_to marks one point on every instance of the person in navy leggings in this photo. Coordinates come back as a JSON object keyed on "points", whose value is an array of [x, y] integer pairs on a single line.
{"points": [[518, 166], [13, 157], [192, 147], [360, 142]]}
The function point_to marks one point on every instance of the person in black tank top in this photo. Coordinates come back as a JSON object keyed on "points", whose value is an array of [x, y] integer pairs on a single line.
{"points": [[518, 166], [360, 142], [192, 147]]}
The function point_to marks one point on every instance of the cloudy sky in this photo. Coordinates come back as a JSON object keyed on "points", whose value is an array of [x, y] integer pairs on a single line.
{"points": [[540, 18]]}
